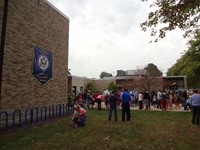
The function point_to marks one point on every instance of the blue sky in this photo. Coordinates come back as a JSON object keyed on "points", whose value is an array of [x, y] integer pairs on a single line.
{"points": [[106, 36]]}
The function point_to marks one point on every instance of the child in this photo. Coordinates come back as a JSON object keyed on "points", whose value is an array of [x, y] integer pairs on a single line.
{"points": [[75, 116], [81, 116]]}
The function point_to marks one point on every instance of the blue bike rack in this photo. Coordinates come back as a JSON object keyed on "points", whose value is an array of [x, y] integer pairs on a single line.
{"points": [[45, 112], [62, 109], [20, 118], [68, 109], [6, 113], [35, 109], [51, 109], [58, 106], [31, 116]]}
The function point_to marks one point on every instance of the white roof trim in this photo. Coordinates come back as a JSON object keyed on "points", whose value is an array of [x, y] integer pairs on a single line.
{"points": [[56, 9]]}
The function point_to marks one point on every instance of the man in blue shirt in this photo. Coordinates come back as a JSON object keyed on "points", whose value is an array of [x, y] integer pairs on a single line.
{"points": [[126, 98], [195, 103]]}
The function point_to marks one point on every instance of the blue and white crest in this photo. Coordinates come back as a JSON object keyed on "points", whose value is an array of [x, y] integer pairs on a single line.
{"points": [[43, 62], [42, 65]]}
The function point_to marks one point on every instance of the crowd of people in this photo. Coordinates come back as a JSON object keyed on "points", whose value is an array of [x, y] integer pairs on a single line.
{"points": [[166, 99]]}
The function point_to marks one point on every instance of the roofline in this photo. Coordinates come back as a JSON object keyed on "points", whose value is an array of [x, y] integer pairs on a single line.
{"points": [[80, 76], [56, 9], [174, 76]]}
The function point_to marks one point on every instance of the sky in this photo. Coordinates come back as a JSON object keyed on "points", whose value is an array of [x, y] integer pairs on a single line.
{"points": [[105, 35]]}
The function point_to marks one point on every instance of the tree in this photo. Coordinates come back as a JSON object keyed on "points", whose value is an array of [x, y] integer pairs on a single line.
{"points": [[153, 70], [91, 87], [70, 99], [189, 63], [105, 74], [170, 14], [112, 86], [147, 79]]}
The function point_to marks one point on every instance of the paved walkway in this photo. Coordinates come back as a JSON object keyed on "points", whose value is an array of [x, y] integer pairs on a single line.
{"points": [[181, 109]]}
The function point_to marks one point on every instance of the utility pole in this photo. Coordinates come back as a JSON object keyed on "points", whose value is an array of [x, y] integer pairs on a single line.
{"points": [[3, 34]]}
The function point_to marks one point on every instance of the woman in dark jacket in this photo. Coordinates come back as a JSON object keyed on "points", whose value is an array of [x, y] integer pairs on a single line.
{"points": [[146, 99]]}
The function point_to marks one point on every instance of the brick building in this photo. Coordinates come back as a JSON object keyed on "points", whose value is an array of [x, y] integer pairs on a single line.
{"points": [[77, 84], [130, 79], [33, 23]]}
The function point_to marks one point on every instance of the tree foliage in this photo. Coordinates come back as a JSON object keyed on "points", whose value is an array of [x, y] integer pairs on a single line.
{"points": [[91, 87], [189, 63], [148, 79], [170, 14], [153, 70], [105, 74], [112, 86]]}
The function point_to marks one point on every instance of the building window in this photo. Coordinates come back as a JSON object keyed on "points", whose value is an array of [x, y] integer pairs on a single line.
{"points": [[81, 89]]}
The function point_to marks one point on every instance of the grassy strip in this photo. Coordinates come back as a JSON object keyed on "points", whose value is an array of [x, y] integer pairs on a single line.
{"points": [[146, 130]]}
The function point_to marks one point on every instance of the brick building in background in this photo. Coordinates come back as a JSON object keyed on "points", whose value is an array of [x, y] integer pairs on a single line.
{"points": [[130, 79], [33, 23]]}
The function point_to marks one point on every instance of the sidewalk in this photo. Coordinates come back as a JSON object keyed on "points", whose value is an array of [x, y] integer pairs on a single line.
{"points": [[181, 109]]}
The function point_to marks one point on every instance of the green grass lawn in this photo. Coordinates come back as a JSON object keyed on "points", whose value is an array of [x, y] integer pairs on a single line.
{"points": [[146, 130]]}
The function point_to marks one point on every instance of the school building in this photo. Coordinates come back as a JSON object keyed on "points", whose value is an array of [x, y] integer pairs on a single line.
{"points": [[130, 79]]}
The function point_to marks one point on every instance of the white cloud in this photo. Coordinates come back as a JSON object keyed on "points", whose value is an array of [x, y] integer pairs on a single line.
{"points": [[105, 36]]}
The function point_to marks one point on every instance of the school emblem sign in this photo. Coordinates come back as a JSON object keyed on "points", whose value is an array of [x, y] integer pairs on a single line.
{"points": [[42, 65]]}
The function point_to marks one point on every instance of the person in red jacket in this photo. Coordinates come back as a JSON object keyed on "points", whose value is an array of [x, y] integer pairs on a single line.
{"points": [[96, 95]]}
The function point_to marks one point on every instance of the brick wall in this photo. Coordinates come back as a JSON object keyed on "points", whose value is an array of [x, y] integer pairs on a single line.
{"points": [[29, 23], [1, 13], [102, 84], [78, 82]]}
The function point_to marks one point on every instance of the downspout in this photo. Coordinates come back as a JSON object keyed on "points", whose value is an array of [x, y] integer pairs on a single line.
{"points": [[3, 34]]}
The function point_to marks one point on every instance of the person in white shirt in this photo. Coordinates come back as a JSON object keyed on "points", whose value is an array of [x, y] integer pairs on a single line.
{"points": [[140, 100]]}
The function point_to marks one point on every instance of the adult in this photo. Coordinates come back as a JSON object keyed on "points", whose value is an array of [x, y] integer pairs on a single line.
{"points": [[131, 93], [88, 99], [195, 104], [146, 100], [175, 97], [126, 98], [99, 99], [84, 96], [96, 95], [153, 98], [159, 99], [164, 100], [169, 96], [106, 95], [185, 97], [136, 96], [140, 100], [113, 105]]}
